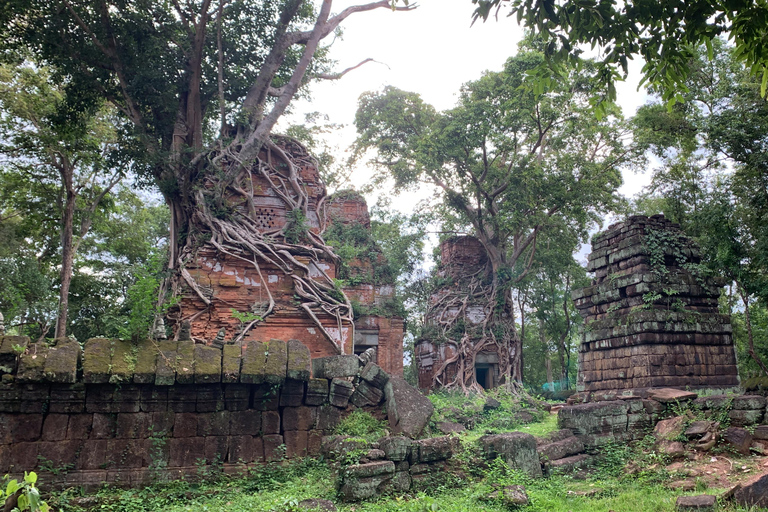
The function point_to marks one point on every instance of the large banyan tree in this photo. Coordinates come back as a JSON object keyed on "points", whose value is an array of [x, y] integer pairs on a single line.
{"points": [[508, 165], [200, 85]]}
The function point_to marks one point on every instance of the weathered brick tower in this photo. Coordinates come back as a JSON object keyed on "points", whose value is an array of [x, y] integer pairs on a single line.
{"points": [[651, 316], [244, 296]]}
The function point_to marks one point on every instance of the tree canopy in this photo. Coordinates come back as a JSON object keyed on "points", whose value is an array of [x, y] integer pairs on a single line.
{"points": [[664, 34], [508, 165], [199, 86]]}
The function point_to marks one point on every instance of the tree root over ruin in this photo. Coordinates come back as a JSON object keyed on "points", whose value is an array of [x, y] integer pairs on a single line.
{"points": [[475, 318], [222, 217]]}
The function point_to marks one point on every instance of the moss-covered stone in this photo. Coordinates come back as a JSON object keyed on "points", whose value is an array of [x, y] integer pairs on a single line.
{"points": [[185, 362], [97, 358], [13, 345], [277, 362], [254, 360], [146, 362], [32, 363], [230, 364], [299, 361], [10, 348], [207, 364], [166, 364], [62, 361], [124, 354]]}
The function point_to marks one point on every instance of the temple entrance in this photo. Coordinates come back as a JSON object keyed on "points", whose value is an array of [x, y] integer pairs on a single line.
{"points": [[487, 369]]}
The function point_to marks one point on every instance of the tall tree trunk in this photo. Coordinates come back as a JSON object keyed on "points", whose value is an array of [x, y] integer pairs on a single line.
{"points": [[67, 258], [547, 362], [750, 338]]}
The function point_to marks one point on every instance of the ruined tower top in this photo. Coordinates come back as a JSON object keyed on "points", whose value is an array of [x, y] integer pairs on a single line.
{"points": [[651, 315]]}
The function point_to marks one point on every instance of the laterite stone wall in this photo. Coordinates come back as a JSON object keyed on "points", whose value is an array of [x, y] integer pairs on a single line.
{"points": [[130, 414]]}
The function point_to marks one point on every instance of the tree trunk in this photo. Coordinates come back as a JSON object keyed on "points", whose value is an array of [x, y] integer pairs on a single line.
{"points": [[67, 258], [547, 362], [750, 338]]}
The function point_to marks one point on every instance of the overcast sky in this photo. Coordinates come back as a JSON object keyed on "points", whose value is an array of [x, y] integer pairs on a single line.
{"points": [[431, 50]]}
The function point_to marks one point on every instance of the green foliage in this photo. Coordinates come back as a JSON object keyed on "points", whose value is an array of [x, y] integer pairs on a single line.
{"points": [[296, 230], [361, 424], [663, 35], [28, 498]]}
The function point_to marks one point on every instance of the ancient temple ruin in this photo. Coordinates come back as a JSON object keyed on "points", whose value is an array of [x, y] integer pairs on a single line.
{"points": [[651, 315], [231, 296], [453, 322]]}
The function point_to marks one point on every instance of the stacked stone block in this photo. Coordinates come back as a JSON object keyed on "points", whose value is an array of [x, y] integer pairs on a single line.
{"points": [[398, 463], [651, 319], [632, 418], [133, 413]]}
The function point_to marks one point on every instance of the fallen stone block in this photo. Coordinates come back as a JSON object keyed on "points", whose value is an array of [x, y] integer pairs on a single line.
{"points": [[408, 411], [511, 496], [569, 464], [366, 394], [340, 392], [753, 493], [737, 438], [671, 395], [518, 449], [670, 429], [561, 449], [701, 502], [749, 402], [374, 375]]}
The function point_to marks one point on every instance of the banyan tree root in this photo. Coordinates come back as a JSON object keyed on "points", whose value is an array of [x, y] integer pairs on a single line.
{"points": [[495, 332], [234, 233]]}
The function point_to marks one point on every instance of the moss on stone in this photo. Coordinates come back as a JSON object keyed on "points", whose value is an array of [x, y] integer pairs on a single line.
{"points": [[146, 362], [124, 355], [32, 363], [207, 364], [166, 364], [97, 360], [254, 360], [13, 344], [185, 362], [61, 363], [277, 362], [230, 363], [299, 361]]}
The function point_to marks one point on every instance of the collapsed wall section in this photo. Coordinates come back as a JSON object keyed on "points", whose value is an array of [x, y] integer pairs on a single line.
{"points": [[651, 315]]}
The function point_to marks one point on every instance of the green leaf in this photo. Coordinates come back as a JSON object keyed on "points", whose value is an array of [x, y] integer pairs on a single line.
{"points": [[12, 487], [30, 478]]}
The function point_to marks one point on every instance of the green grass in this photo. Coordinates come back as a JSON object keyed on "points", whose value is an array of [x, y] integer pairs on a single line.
{"points": [[280, 488]]}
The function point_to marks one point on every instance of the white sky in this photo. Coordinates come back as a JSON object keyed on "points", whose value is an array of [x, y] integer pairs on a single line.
{"points": [[432, 51]]}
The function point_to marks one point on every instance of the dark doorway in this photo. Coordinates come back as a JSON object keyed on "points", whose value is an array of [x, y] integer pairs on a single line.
{"points": [[481, 374]]}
